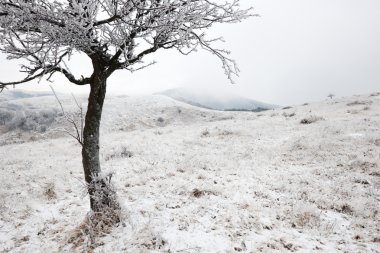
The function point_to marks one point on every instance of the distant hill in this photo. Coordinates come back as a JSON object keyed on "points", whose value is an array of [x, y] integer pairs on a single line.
{"points": [[12, 94], [222, 102]]}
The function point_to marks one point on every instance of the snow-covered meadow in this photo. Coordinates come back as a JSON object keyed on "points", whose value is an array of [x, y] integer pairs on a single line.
{"points": [[195, 180]]}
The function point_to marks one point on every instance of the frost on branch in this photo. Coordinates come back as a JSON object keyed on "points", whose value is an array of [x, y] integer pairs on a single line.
{"points": [[118, 33]]}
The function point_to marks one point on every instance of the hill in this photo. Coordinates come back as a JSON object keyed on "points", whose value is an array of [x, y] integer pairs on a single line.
{"points": [[195, 180], [8, 95], [219, 101]]}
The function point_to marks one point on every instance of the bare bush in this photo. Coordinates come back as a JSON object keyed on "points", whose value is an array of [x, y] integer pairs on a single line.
{"points": [[76, 119]]}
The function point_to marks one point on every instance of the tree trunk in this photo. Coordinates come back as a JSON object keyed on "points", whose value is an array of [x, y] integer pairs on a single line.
{"points": [[101, 194], [90, 150]]}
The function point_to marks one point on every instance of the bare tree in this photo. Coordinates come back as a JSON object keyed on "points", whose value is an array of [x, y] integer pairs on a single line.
{"points": [[114, 34]]}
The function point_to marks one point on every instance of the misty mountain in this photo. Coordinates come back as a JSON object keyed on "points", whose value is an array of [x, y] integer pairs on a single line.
{"points": [[222, 102]]}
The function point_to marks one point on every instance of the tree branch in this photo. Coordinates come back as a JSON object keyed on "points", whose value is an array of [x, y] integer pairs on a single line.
{"points": [[25, 80], [119, 33], [71, 78]]}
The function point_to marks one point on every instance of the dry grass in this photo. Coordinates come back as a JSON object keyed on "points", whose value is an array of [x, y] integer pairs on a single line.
{"points": [[49, 191], [289, 115], [345, 208], [357, 102], [311, 119], [105, 215], [353, 111], [225, 133], [205, 133], [308, 219], [197, 193], [121, 152], [85, 238]]}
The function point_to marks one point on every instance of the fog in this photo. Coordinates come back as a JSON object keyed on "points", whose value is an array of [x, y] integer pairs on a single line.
{"points": [[297, 51]]}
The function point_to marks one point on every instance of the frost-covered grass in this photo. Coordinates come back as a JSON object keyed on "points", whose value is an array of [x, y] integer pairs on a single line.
{"points": [[193, 180]]}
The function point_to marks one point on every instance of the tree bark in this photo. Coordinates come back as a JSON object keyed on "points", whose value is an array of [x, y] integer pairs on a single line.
{"points": [[101, 194], [91, 131]]}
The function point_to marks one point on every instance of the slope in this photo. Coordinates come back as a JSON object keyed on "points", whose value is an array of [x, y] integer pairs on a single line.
{"points": [[206, 181]]}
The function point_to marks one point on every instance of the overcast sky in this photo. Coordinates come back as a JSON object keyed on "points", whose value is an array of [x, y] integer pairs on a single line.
{"points": [[297, 51]]}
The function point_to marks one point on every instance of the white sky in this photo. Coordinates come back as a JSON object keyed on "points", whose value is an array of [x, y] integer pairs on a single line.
{"points": [[297, 51]]}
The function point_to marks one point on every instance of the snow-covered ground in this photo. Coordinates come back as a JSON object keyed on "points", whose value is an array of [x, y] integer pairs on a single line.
{"points": [[194, 180]]}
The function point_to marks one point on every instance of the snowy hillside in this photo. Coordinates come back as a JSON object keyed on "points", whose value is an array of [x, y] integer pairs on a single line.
{"points": [[216, 100], [189, 179]]}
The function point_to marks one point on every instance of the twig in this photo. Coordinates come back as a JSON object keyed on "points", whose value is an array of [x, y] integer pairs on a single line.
{"points": [[79, 130]]}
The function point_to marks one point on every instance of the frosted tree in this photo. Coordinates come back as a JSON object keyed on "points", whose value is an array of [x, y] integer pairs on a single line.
{"points": [[114, 34]]}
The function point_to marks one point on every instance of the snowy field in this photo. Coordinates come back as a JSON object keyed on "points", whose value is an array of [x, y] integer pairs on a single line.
{"points": [[194, 180]]}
